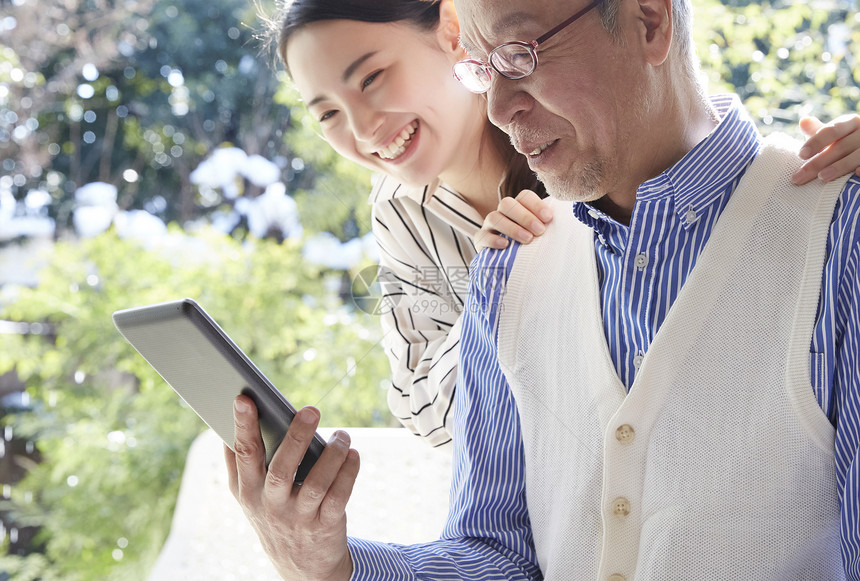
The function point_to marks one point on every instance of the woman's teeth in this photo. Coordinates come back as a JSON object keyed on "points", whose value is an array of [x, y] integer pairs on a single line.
{"points": [[396, 148], [539, 149]]}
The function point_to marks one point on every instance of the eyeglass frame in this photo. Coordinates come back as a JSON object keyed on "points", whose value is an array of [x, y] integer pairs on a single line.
{"points": [[530, 46]]}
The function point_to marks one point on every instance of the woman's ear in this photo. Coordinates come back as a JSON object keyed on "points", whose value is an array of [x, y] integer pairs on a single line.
{"points": [[448, 31]]}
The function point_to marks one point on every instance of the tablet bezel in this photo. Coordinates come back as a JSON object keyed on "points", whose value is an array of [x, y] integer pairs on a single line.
{"points": [[184, 345]]}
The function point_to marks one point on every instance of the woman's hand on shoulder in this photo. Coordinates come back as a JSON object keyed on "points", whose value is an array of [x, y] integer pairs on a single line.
{"points": [[521, 218], [832, 150]]}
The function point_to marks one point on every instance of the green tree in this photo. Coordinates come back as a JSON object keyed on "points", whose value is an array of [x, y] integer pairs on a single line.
{"points": [[112, 435], [785, 59], [138, 94]]}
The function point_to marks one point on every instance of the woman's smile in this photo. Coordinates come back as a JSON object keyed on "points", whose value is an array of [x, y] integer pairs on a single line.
{"points": [[398, 146]]}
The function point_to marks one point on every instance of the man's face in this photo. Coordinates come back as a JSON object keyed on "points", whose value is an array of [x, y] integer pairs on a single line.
{"points": [[574, 115]]}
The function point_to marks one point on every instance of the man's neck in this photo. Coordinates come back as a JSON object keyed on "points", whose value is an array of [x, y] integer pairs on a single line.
{"points": [[669, 136]]}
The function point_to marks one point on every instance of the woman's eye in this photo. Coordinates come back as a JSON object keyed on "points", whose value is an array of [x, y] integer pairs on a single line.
{"points": [[326, 116], [369, 80]]}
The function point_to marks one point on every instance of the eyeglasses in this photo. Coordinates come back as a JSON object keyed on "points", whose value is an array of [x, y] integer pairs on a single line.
{"points": [[513, 60]]}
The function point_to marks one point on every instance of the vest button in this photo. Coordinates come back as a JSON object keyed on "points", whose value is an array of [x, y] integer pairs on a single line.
{"points": [[625, 434], [620, 506], [616, 577]]}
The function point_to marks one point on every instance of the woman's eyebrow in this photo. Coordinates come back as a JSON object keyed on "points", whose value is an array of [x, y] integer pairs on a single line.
{"points": [[347, 73], [350, 70]]}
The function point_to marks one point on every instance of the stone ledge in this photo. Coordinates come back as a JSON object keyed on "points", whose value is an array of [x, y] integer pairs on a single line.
{"points": [[401, 495]]}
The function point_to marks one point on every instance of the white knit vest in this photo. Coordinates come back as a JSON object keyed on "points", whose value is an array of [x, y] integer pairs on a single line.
{"points": [[719, 464]]}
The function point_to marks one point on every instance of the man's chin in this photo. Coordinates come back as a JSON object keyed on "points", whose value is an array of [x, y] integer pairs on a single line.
{"points": [[582, 185], [568, 191]]}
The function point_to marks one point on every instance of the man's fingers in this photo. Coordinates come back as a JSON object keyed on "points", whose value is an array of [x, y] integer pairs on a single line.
{"points": [[250, 453], [232, 473], [285, 462], [334, 504], [323, 474]]}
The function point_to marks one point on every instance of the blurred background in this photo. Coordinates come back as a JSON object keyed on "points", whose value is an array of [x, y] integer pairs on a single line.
{"points": [[149, 151]]}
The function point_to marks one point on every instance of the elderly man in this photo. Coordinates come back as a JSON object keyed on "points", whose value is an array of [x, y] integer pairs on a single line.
{"points": [[654, 390]]}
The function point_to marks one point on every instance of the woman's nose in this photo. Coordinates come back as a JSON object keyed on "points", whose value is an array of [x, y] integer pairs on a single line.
{"points": [[365, 123]]}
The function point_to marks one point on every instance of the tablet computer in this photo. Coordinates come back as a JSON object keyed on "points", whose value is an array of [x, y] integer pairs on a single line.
{"points": [[203, 365]]}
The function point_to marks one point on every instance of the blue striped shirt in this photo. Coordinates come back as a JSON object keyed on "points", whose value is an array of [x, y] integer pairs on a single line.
{"points": [[641, 270]]}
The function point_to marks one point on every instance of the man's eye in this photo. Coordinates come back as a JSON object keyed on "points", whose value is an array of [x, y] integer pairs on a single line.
{"points": [[326, 116], [369, 80]]}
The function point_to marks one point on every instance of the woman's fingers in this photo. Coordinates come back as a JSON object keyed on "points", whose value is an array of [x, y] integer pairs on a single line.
{"points": [[521, 219], [833, 150]]}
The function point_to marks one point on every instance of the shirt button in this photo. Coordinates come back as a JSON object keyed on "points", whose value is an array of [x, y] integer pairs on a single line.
{"points": [[690, 216], [594, 214], [620, 506], [641, 260], [616, 577], [638, 359], [625, 434]]}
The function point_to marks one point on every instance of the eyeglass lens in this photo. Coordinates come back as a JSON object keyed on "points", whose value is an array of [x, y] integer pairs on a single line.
{"points": [[513, 60], [473, 75]]}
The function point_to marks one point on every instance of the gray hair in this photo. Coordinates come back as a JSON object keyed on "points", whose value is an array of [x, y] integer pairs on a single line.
{"points": [[682, 26]]}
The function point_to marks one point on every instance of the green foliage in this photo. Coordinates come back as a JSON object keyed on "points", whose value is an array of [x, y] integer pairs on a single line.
{"points": [[784, 59], [114, 436]]}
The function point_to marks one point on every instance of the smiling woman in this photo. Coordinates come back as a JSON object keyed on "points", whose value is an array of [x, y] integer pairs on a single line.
{"points": [[378, 78]]}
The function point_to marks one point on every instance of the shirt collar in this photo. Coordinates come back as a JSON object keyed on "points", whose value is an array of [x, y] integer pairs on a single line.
{"points": [[386, 188], [700, 177], [437, 197]]}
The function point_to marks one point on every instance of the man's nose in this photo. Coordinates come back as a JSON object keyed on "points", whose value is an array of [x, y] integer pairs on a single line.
{"points": [[505, 100]]}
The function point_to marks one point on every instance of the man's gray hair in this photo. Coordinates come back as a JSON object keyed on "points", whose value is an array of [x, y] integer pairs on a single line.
{"points": [[682, 38]]}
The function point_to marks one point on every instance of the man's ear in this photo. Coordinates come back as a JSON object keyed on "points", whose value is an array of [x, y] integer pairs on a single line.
{"points": [[655, 29], [448, 31]]}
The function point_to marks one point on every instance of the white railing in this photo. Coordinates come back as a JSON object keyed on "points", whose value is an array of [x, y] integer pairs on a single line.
{"points": [[401, 495]]}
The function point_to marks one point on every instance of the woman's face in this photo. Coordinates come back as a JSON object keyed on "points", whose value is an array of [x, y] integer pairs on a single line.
{"points": [[385, 97]]}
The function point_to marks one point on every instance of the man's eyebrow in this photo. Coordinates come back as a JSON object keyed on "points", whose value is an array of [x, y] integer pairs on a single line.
{"points": [[470, 50], [347, 73], [504, 28]]}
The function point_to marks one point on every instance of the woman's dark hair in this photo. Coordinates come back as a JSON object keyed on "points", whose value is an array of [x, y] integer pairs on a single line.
{"points": [[424, 15], [296, 14]]}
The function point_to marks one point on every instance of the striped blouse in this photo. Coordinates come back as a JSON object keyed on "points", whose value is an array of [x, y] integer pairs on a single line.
{"points": [[425, 244], [641, 267]]}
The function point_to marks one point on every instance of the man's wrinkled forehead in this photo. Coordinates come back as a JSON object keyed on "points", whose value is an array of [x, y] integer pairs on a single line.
{"points": [[485, 24]]}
